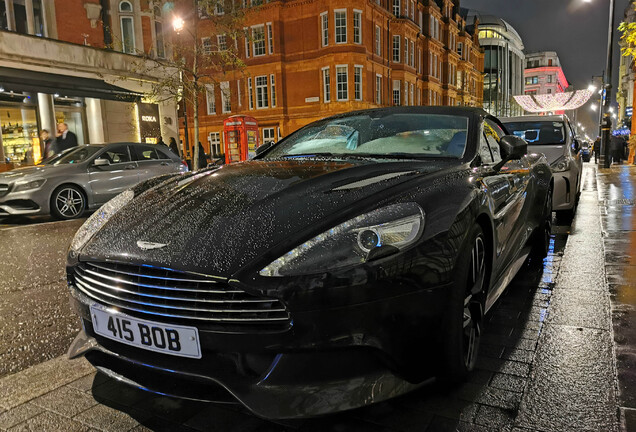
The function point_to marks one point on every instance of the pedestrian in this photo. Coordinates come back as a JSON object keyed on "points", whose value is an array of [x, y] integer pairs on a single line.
{"points": [[203, 159], [596, 148], [65, 138], [46, 142], [616, 150], [160, 141], [173, 146]]}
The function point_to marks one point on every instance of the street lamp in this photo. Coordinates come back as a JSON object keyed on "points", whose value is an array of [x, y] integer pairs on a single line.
{"points": [[178, 24], [594, 107]]}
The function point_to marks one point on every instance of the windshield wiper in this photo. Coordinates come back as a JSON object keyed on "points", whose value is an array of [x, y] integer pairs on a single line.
{"points": [[308, 155]]}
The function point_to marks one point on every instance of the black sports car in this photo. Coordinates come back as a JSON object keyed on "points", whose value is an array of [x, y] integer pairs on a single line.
{"points": [[344, 265]]}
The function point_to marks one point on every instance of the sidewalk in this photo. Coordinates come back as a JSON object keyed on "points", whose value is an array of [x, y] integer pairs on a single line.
{"points": [[554, 345]]}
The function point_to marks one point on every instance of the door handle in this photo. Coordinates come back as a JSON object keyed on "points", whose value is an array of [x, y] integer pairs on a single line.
{"points": [[129, 167]]}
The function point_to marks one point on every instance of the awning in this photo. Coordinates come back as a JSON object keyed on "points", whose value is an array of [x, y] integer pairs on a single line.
{"points": [[19, 80]]}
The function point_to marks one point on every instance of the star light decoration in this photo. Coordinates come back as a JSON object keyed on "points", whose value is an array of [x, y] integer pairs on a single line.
{"points": [[554, 102]]}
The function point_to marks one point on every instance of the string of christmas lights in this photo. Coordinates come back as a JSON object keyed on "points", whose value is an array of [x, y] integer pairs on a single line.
{"points": [[554, 102]]}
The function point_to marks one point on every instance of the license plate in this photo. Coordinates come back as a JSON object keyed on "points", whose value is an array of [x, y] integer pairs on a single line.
{"points": [[164, 338]]}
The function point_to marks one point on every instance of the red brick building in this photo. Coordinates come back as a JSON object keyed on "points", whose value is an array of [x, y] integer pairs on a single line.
{"points": [[309, 59]]}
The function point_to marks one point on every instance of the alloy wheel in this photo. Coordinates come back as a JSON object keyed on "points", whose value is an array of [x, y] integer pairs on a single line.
{"points": [[472, 307], [69, 202]]}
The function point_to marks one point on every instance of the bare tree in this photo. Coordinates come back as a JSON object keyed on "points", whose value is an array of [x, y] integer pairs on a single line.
{"points": [[205, 48]]}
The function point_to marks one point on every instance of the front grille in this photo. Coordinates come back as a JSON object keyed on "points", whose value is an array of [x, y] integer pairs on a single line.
{"points": [[4, 189], [172, 296]]}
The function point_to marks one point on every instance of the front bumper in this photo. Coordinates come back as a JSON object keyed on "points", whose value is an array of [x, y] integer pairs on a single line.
{"points": [[330, 360], [29, 202]]}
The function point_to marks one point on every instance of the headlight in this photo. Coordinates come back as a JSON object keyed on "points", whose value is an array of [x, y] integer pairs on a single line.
{"points": [[98, 219], [27, 185], [561, 164], [350, 243]]}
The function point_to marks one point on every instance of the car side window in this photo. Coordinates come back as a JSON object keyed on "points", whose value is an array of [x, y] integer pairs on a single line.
{"points": [[146, 153], [484, 150], [117, 154], [161, 154], [493, 134]]}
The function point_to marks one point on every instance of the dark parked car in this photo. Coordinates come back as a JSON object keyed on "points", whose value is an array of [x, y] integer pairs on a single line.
{"points": [[586, 151], [344, 265], [82, 178]]}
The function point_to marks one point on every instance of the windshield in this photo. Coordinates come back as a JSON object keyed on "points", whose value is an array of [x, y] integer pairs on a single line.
{"points": [[76, 155], [539, 132], [408, 136]]}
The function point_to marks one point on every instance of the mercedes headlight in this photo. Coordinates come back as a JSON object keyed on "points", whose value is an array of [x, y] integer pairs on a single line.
{"points": [[353, 242], [560, 165], [98, 219], [28, 185]]}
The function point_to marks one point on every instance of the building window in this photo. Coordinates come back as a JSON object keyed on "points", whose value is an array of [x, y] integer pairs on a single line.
{"points": [[396, 48], [324, 23], [412, 93], [357, 27], [421, 22], [258, 40], [396, 92], [549, 78], [396, 7], [419, 61], [272, 83], [262, 99], [226, 101], [378, 89], [269, 135], [340, 20], [218, 8], [214, 138], [342, 82], [270, 38], [221, 42], [378, 41], [159, 46], [209, 97], [125, 6], [250, 93], [239, 96], [412, 10], [326, 85], [206, 43], [406, 93], [247, 43], [127, 35], [460, 49], [412, 57], [406, 51], [549, 91], [357, 83]]}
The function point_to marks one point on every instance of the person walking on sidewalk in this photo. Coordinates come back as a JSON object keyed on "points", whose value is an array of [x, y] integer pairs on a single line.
{"points": [[596, 148], [65, 138]]}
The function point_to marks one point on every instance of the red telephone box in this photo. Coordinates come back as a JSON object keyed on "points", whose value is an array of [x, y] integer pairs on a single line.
{"points": [[240, 134]]}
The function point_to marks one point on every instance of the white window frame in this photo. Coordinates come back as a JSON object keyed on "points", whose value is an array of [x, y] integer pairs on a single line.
{"points": [[238, 93], [206, 45], [326, 85], [357, 82], [272, 137], [219, 38], [397, 7], [210, 97], [324, 29], [254, 41], [134, 42], [397, 87], [378, 40], [128, 3], [406, 93], [396, 50], [412, 10], [247, 42], [262, 100], [412, 54], [406, 51], [270, 38], [339, 68], [419, 60], [226, 97], [357, 31], [378, 89], [272, 90], [250, 93], [215, 143], [412, 94], [335, 25]]}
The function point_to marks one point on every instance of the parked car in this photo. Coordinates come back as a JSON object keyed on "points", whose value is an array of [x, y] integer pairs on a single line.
{"points": [[554, 137], [586, 151], [82, 178], [344, 265]]}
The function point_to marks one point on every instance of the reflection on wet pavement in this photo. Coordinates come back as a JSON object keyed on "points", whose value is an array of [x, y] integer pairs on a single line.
{"points": [[617, 196]]}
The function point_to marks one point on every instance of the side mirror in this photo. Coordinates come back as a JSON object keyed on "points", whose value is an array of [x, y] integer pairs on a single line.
{"points": [[513, 147], [264, 147], [576, 146], [100, 162]]}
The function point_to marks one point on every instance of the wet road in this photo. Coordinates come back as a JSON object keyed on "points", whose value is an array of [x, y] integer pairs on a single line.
{"points": [[36, 324]]}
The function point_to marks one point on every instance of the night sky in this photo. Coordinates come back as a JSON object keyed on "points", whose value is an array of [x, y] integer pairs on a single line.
{"points": [[576, 30]]}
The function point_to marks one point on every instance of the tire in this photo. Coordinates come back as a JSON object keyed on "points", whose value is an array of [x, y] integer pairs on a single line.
{"points": [[68, 202], [541, 237], [464, 315]]}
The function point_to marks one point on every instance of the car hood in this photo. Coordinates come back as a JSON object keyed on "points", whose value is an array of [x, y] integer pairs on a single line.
{"points": [[218, 221], [551, 151], [34, 171]]}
